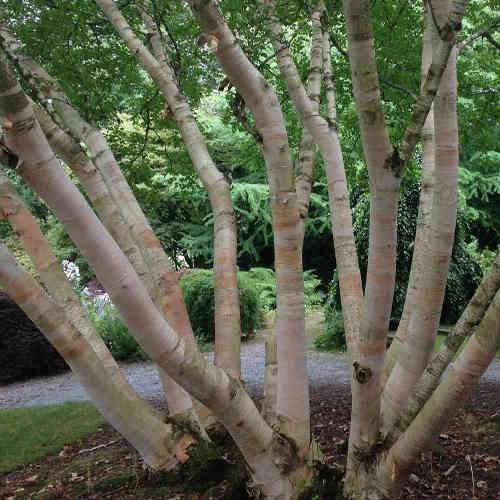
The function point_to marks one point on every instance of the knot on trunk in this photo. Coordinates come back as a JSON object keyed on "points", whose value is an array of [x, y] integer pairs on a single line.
{"points": [[362, 373], [394, 163], [8, 157], [185, 423], [209, 40], [284, 452]]}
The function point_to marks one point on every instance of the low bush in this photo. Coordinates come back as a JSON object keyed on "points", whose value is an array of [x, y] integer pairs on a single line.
{"points": [[198, 289], [265, 282], [116, 336], [333, 336], [257, 295], [313, 295]]}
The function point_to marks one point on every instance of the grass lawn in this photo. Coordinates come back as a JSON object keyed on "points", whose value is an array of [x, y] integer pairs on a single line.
{"points": [[26, 434]]}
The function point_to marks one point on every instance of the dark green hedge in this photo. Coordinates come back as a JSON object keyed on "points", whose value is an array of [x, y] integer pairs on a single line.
{"points": [[24, 351]]}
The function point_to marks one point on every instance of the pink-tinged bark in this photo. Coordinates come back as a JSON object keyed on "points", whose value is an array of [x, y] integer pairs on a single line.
{"points": [[293, 389], [459, 380], [424, 211], [51, 274], [227, 307], [470, 318], [450, 23], [227, 314], [271, 458], [153, 266], [270, 380], [304, 174], [351, 292], [165, 290], [437, 247], [384, 189], [433, 67], [385, 167], [325, 136], [303, 188], [161, 445]]}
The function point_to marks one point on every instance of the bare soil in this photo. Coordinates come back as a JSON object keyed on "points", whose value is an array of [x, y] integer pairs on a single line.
{"points": [[464, 462]]}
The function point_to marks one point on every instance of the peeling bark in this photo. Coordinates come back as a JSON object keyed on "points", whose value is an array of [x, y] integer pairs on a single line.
{"points": [[127, 257], [160, 444], [107, 207], [293, 390], [424, 213], [271, 458], [384, 188], [437, 247], [327, 140], [94, 164], [304, 174], [51, 274], [470, 318], [461, 377], [270, 380], [227, 316]]}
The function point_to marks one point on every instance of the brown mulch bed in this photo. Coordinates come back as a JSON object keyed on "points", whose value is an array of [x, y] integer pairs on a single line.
{"points": [[464, 462], [467, 450]]}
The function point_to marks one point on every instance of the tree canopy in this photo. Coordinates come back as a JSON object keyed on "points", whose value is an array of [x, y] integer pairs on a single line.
{"points": [[79, 47]]}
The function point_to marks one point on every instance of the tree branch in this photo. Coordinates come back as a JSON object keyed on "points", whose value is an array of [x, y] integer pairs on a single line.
{"points": [[470, 318], [327, 140], [292, 404], [461, 377], [304, 178], [484, 32], [448, 35]]}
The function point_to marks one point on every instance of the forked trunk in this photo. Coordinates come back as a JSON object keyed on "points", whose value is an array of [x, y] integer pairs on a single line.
{"points": [[271, 457], [424, 212], [391, 423], [429, 296]]}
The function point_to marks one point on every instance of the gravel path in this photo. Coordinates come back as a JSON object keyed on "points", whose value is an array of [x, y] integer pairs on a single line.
{"points": [[324, 369]]}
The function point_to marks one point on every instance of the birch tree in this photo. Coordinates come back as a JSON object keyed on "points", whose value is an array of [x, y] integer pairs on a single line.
{"points": [[400, 397]]}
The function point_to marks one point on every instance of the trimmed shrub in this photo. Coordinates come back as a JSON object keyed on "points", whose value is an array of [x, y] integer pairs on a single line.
{"points": [[198, 289], [24, 351], [264, 282], [313, 296], [116, 336], [198, 292]]}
